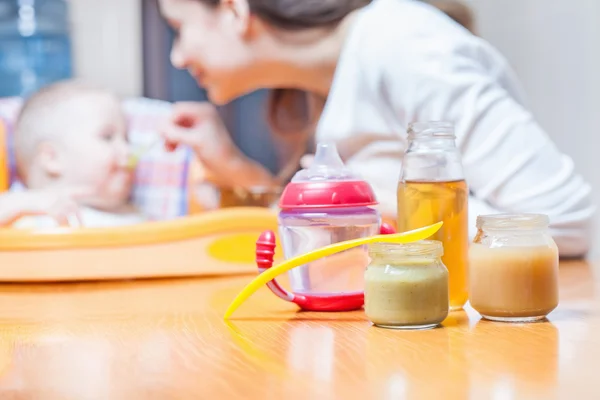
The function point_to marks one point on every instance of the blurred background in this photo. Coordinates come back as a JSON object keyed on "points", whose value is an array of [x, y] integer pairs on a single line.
{"points": [[552, 44]]}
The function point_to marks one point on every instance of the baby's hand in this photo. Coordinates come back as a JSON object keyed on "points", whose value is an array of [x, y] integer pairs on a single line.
{"points": [[60, 205]]}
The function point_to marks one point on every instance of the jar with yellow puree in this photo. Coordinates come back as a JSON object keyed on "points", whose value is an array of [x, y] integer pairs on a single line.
{"points": [[406, 285], [513, 264]]}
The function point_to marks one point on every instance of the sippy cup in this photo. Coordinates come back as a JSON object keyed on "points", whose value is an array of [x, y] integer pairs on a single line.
{"points": [[324, 204]]}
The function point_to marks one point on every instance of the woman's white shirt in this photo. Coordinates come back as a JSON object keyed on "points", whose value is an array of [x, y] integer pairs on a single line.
{"points": [[405, 61]]}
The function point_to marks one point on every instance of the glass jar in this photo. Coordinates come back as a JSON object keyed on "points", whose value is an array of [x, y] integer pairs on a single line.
{"points": [[432, 188], [406, 285], [513, 268]]}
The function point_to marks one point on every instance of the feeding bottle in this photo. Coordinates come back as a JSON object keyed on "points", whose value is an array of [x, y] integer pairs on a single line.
{"points": [[432, 188], [324, 204]]}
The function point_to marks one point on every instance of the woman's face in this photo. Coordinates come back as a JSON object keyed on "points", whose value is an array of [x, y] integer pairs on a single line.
{"points": [[213, 44]]}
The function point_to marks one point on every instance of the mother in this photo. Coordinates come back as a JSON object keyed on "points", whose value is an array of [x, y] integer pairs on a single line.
{"points": [[358, 72]]}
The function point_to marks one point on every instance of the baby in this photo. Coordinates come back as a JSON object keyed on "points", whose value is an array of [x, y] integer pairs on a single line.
{"points": [[72, 159]]}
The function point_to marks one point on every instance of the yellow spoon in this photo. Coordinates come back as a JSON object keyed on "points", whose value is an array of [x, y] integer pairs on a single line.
{"points": [[134, 158], [270, 274]]}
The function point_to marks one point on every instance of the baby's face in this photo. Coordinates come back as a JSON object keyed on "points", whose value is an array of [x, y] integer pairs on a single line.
{"points": [[95, 151]]}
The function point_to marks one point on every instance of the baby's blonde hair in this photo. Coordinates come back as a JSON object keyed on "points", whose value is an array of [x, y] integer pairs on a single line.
{"points": [[42, 118]]}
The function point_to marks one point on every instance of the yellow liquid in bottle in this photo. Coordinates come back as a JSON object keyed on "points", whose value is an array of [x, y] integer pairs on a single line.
{"points": [[425, 203]]}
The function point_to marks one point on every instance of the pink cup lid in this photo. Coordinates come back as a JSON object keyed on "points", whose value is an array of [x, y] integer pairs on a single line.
{"points": [[327, 183]]}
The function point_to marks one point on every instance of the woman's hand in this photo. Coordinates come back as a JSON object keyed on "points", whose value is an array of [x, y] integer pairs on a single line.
{"points": [[199, 126]]}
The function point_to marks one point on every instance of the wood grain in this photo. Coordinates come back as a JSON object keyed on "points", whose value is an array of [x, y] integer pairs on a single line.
{"points": [[165, 339]]}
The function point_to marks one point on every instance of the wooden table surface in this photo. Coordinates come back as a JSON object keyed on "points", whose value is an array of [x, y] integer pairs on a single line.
{"points": [[165, 339]]}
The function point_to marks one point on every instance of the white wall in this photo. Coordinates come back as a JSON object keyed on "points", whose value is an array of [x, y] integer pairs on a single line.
{"points": [[107, 43], [554, 46]]}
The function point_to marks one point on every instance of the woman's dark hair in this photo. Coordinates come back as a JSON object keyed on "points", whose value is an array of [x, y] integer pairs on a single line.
{"points": [[302, 14]]}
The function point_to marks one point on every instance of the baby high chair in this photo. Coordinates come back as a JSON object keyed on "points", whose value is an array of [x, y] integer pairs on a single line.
{"points": [[177, 244]]}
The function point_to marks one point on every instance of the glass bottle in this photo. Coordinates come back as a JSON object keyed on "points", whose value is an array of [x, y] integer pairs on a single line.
{"points": [[432, 188]]}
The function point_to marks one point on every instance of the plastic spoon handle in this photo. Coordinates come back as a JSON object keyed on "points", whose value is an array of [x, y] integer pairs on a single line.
{"points": [[271, 273], [135, 158]]}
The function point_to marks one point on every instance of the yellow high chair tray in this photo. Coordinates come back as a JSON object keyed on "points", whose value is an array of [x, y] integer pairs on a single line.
{"points": [[219, 242]]}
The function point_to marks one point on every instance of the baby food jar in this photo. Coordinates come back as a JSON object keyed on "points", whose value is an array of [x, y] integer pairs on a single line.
{"points": [[406, 285], [513, 268]]}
